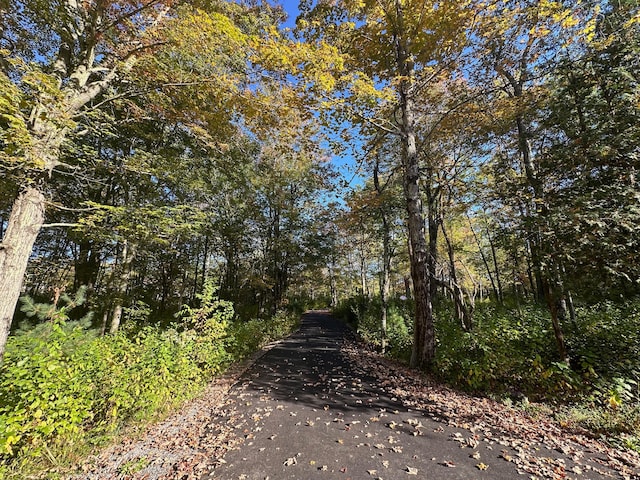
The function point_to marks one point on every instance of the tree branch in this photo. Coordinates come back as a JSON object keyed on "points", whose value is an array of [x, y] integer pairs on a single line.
{"points": [[61, 225]]}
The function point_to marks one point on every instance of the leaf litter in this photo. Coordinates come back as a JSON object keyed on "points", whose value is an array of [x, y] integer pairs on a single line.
{"points": [[532, 444]]}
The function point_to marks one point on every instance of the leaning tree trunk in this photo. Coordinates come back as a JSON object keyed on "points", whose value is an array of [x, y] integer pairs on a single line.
{"points": [[464, 314], [25, 222]]}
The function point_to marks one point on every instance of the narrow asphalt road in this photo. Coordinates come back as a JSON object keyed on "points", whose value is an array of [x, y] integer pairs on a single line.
{"points": [[305, 413]]}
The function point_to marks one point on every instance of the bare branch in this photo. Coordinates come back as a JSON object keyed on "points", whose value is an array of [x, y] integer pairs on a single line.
{"points": [[61, 225], [75, 210]]}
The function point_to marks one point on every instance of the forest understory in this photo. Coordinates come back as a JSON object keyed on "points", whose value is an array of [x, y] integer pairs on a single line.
{"points": [[180, 180]]}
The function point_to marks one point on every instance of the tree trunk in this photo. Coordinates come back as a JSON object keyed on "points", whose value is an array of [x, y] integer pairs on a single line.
{"points": [[122, 282], [433, 221], [423, 351], [545, 274], [364, 286], [464, 314], [332, 283], [555, 321], [385, 280], [485, 262], [25, 222], [495, 266]]}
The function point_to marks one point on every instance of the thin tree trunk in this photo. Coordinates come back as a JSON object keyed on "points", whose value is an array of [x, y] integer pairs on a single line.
{"points": [[485, 262], [332, 283], [556, 303], [205, 255], [555, 321], [495, 266], [364, 287], [386, 262], [122, 282], [532, 283], [104, 322], [463, 313], [433, 221], [25, 222]]}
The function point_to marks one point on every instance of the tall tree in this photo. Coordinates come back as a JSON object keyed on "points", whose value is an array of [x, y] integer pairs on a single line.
{"points": [[62, 63], [521, 43], [404, 46], [593, 156]]}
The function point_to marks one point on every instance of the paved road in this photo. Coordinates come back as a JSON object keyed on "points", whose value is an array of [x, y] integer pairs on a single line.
{"points": [[305, 414]]}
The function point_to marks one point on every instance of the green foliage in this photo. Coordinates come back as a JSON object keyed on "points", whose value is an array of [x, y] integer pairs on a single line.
{"points": [[44, 393], [484, 359], [62, 385], [248, 336], [365, 315], [207, 329], [511, 354]]}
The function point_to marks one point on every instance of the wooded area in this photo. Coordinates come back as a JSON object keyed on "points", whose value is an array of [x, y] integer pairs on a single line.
{"points": [[166, 167]]}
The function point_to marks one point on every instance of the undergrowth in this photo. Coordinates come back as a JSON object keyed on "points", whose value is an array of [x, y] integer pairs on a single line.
{"points": [[64, 388], [511, 355]]}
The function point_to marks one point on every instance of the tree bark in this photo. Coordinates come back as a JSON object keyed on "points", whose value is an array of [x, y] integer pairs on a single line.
{"points": [[128, 254], [385, 280], [494, 256], [464, 313], [364, 285], [433, 221], [25, 222], [423, 351]]}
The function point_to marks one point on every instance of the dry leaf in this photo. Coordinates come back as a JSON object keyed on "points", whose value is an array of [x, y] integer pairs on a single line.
{"points": [[412, 471]]}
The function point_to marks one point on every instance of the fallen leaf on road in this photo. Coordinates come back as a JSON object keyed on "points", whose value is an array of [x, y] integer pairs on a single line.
{"points": [[482, 466], [412, 471], [290, 461]]}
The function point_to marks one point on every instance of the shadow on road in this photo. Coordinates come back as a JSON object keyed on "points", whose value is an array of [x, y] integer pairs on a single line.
{"points": [[305, 412]]}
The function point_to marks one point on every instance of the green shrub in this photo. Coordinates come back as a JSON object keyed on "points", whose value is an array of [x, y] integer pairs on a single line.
{"points": [[365, 315], [59, 381], [245, 337], [44, 392]]}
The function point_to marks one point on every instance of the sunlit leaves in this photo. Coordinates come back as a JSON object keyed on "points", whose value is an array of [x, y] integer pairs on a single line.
{"points": [[14, 135]]}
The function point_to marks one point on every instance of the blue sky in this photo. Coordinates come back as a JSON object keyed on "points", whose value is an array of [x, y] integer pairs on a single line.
{"points": [[345, 163], [291, 7]]}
